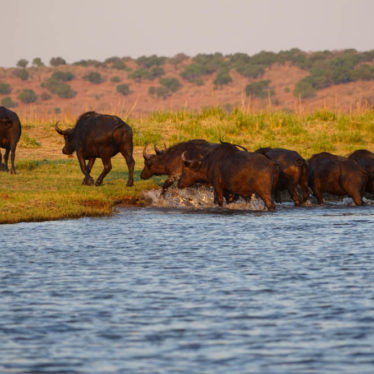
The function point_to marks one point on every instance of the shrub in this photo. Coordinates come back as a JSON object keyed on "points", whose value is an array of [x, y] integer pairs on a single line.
{"points": [[56, 61], [8, 102], [251, 70], [93, 77], [27, 96], [45, 96], [115, 79], [155, 72], [37, 61], [63, 76], [150, 61], [172, 84], [178, 59], [119, 65], [259, 89], [139, 74], [87, 63], [160, 92], [22, 63], [5, 89], [364, 72], [58, 88], [21, 74], [124, 89], [223, 78], [57, 110], [304, 89]]}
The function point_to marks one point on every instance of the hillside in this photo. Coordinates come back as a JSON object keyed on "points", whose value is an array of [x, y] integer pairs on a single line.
{"points": [[340, 81]]}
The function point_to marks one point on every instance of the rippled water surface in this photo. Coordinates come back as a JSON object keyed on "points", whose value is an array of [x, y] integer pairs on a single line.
{"points": [[179, 291]]}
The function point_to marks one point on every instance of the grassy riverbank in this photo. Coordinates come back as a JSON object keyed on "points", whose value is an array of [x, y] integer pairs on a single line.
{"points": [[48, 184]]}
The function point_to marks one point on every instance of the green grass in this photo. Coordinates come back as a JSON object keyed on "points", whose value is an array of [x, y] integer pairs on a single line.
{"points": [[48, 190], [50, 187]]}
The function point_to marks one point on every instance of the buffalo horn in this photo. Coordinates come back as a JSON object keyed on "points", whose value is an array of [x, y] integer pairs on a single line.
{"points": [[61, 132], [146, 157], [157, 150]]}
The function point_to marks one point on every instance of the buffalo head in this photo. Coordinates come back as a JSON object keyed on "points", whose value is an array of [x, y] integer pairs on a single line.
{"points": [[153, 163], [68, 137]]}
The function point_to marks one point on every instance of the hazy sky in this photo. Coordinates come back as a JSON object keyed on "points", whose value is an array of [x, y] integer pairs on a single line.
{"points": [[97, 29]]}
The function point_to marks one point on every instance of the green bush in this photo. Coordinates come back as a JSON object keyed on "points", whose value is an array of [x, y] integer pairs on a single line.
{"points": [[56, 61], [58, 88], [93, 77], [27, 96], [22, 74], [8, 102], [124, 89], [150, 61], [63, 76], [251, 70], [304, 89], [119, 65], [160, 92], [172, 84], [37, 61], [223, 78], [87, 63], [259, 89], [140, 74], [22, 63], [5, 89], [115, 79], [364, 72]]}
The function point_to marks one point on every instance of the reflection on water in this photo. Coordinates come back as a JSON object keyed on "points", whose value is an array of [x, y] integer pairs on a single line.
{"points": [[186, 291]]}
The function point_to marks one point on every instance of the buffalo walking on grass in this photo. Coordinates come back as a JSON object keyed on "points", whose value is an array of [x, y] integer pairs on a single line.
{"points": [[99, 136], [10, 132]]}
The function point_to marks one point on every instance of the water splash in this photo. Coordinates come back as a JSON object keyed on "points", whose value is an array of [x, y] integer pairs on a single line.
{"points": [[202, 198], [197, 198]]}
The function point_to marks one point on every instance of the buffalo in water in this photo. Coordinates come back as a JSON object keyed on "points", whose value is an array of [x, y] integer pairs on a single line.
{"points": [[336, 175], [293, 173], [233, 171], [365, 159], [10, 132], [169, 161], [99, 136]]}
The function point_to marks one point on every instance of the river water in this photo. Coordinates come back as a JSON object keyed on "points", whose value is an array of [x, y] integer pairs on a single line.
{"points": [[190, 291]]}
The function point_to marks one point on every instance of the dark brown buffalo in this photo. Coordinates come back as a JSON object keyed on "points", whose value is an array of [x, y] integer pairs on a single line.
{"points": [[99, 136], [336, 175], [293, 173], [169, 162], [10, 132], [366, 160], [233, 171]]}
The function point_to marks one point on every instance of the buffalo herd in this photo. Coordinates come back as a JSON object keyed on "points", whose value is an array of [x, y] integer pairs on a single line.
{"points": [[230, 169]]}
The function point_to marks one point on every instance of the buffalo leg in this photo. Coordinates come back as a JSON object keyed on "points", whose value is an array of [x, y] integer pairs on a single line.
{"points": [[6, 158], [305, 189], [1, 164], [90, 164], [88, 180], [127, 154], [218, 196], [167, 184], [268, 201], [12, 159], [107, 168], [292, 190]]}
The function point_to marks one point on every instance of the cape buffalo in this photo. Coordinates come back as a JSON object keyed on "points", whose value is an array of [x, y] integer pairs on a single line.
{"points": [[99, 136], [336, 175], [170, 162], [10, 132], [293, 173], [233, 171], [366, 160]]}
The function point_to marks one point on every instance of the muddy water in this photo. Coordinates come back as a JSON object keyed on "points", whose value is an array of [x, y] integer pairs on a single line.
{"points": [[193, 290]]}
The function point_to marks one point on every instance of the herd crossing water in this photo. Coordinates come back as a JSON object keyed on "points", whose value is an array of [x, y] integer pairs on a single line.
{"points": [[193, 290]]}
